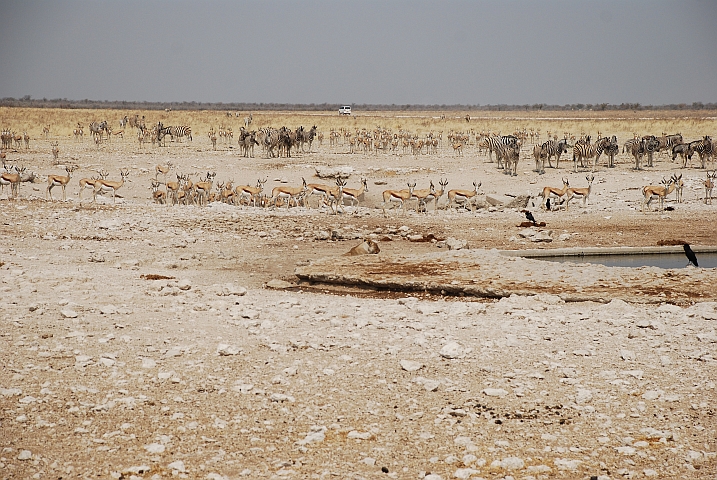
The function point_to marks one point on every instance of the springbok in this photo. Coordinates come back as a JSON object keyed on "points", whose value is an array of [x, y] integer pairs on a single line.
{"points": [[583, 193], [159, 196], [424, 195], [13, 179], [464, 196], [709, 185], [658, 191], [202, 189], [547, 192], [252, 194], [399, 196], [163, 169], [318, 189], [287, 194], [108, 186], [59, 181], [354, 195], [89, 183]]}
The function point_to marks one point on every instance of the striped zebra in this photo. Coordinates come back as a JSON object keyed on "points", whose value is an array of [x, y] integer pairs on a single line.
{"points": [[510, 155], [704, 149], [584, 150], [96, 129], [636, 149], [627, 147], [493, 143], [669, 141], [611, 149], [179, 131], [551, 148], [652, 145]]}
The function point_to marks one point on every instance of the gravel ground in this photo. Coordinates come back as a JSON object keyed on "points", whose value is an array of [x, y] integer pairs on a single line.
{"points": [[141, 340]]}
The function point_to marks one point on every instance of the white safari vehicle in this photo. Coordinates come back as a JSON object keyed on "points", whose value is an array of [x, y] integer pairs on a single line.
{"points": [[345, 110]]}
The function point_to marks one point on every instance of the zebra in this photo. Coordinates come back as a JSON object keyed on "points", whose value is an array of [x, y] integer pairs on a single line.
{"points": [[681, 149], [652, 145], [302, 137], [494, 142], [627, 147], [636, 149], [611, 149], [585, 150], [556, 149], [123, 122], [510, 155], [180, 131], [248, 120], [669, 141], [96, 129], [703, 148], [602, 142], [247, 140]]}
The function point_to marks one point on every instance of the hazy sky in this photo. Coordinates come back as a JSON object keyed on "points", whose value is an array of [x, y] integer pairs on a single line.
{"points": [[310, 51]]}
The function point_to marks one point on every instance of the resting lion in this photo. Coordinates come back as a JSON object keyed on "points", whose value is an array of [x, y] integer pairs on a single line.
{"points": [[365, 248]]}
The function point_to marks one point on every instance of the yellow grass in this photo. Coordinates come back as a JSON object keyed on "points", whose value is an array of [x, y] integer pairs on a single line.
{"points": [[692, 124]]}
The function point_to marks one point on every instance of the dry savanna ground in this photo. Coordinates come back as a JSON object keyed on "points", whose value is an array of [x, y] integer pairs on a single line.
{"points": [[144, 340]]}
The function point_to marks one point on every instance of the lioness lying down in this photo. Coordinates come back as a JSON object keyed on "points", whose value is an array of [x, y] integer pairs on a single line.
{"points": [[364, 248]]}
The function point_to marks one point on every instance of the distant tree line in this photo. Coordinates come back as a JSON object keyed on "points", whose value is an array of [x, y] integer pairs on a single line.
{"points": [[28, 101]]}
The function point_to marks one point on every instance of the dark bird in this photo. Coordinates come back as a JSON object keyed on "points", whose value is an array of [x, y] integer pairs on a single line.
{"points": [[529, 216], [547, 204], [690, 254]]}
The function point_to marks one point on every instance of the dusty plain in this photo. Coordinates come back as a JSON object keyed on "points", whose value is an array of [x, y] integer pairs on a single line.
{"points": [[142, 341]]}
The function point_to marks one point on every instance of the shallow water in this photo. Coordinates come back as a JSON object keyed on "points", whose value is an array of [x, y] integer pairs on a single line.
{"points": [[661, 260]]}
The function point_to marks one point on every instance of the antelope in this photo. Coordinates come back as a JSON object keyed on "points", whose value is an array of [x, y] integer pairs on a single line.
{"points": [[46, 130], [159, 196], [13, 179], [709, 185], [119, 133], [353, 194], [397, 196], [580, 192], [557, 192], [55, 151], [336, 196], [458, 148], [422, 196], [89, 183], [187, 194], [437, 194], [317, 189], [59, 181], [202, 189], [173, 189], [163, 169], [108, 186], [463, 196], [253, 193], [679, 187], [288, 193], [26, 138], [659, 191]]}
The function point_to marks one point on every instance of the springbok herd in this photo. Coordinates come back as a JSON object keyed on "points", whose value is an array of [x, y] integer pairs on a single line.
{"points": [[176, 188]]}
